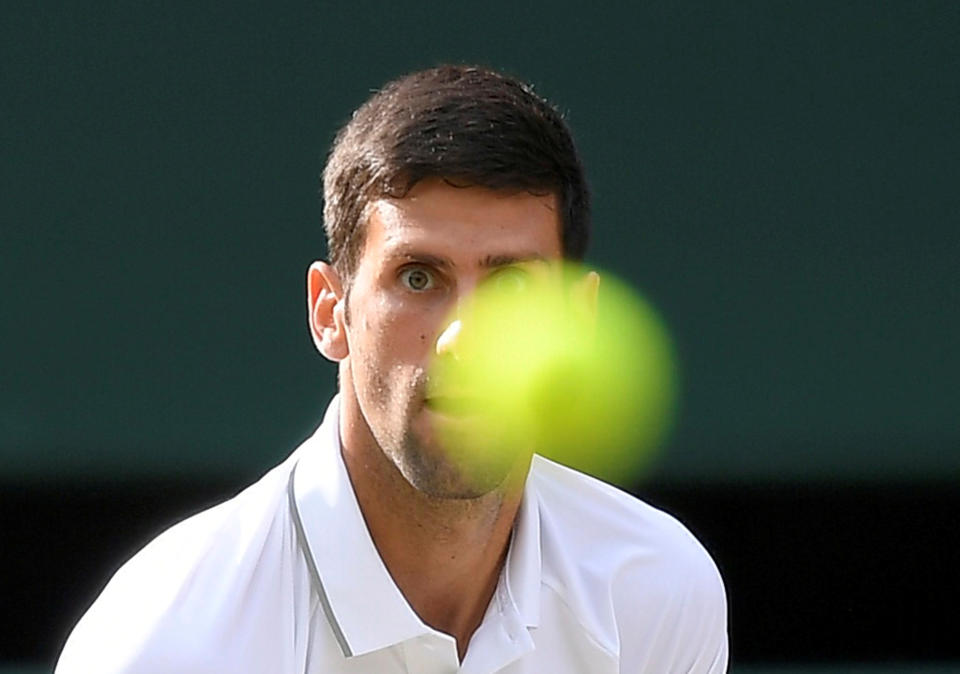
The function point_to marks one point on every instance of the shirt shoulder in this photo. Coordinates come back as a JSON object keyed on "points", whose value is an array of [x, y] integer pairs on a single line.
{"points": [[174, 603], [639, 581]]}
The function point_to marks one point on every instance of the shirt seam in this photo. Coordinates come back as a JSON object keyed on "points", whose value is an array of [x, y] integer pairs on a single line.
{"points": [[586, 630], [312, 566]]}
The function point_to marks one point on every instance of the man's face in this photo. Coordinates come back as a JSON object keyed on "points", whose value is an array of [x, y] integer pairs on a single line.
{"points": [[423, 255]]}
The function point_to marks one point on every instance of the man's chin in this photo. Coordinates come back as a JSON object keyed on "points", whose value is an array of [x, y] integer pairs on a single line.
{"points": [[455, 457], [449, 480]]}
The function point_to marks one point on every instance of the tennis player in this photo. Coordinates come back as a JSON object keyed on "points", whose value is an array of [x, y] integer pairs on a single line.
{"points": [[369, 550]]}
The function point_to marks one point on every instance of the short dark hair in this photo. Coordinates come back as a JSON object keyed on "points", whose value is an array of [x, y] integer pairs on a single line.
{"points": [[465, 124]]}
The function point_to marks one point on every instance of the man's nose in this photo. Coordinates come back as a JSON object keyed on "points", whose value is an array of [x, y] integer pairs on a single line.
{"points": [[447, 341]]}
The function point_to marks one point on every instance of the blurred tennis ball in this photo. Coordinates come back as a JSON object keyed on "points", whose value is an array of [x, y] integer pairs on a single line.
{"points": [[545, 360]]}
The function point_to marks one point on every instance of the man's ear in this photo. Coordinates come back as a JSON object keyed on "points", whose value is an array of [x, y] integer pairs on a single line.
{"points": [[584, 295], [325, 311]]}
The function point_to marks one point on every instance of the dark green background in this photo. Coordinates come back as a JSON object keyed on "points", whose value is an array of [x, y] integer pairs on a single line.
{"points": [[779, 178]]}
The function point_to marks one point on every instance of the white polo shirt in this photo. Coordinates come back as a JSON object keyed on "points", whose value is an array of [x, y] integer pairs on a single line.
{"points": [[284, 578]]}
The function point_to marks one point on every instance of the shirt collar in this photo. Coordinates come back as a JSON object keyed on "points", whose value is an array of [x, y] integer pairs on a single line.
{"points": [[522, 568], [366, 609], [363, 603], [504, 635]]}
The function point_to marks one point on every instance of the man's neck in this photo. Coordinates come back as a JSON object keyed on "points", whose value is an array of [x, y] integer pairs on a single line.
{"points": [[445, 555]]}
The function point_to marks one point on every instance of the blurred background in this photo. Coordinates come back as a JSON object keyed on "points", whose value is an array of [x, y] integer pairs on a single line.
{"points": [[779, 178]]}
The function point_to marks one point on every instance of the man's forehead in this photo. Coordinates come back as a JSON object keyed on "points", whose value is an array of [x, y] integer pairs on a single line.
{"points": [[453, 222], [454, 205]]}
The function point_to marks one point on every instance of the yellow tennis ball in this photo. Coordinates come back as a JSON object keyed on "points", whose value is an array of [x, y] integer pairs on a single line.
{"points": [[545, 361]]}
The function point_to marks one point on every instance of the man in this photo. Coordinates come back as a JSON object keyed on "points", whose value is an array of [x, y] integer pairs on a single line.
{"points": [[369, 549]]}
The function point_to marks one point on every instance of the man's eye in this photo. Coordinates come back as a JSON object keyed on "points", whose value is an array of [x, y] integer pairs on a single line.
{"points": [[510, 279], [417, 279]]}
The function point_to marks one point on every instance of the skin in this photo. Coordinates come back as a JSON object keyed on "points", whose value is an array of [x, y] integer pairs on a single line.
{"points": [[441, 531]]}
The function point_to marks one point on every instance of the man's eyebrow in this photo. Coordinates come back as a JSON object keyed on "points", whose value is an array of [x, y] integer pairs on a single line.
{"points": [[425, 258], [491, 261], [488, 262]]}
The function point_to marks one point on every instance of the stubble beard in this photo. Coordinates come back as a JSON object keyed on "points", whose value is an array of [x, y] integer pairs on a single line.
{"points": [[429, 465], [435, 474]]}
